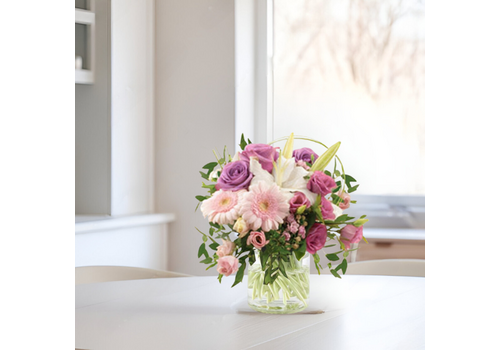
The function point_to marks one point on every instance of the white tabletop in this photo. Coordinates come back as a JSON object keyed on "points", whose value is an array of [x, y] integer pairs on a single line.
{"points": [[361, 312]]}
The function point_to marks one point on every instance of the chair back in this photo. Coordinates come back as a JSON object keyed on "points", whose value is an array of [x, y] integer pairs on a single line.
{"points": [[95, 274], [388, 267]]}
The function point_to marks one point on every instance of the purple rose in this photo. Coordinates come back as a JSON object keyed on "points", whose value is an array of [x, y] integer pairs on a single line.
{"points": [[327, 209], [304, 154], [235, 176], [321, 183], [266, 155], [351, 234], [299, 199], [316, 238]]}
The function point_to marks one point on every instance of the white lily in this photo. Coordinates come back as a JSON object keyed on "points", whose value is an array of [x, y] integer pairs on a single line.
{"points": [[288, 177]]}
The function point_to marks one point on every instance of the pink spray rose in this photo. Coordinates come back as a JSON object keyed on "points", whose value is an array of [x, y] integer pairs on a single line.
{"points": [[316, 238], [351, 234], [266, 155], [227, 265], [299, 199], [321, 183], [302, 231], [226, 248], [327, 209], [347, 200], [257, 239]]}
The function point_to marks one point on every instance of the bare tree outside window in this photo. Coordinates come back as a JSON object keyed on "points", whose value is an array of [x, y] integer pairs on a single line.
{"points": [[353, 70]]}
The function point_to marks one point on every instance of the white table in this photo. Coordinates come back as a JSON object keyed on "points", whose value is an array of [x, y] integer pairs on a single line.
{"points": [[361, 312]]}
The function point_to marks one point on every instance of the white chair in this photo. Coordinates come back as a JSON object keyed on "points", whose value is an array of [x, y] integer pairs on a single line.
{"points": [[388, 267], [95, 274]]}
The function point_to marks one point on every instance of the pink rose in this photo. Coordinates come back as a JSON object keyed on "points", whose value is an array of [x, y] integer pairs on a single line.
{"points": [[351, 234], [266, 155], [327, 209], [226, 248], [347, 200], [257, 239], [321, 183], [316, 238], [227, 265], [299, 199]]}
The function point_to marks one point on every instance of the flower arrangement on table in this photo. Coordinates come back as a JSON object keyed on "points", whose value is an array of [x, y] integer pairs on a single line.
{"points": [[270, 207]]}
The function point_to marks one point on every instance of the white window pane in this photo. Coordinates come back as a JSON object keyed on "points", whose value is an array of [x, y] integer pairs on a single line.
{"points": [[353, 71]]}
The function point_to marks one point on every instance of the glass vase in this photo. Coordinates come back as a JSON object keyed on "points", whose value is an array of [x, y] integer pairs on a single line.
{"points": [[286, 295]]}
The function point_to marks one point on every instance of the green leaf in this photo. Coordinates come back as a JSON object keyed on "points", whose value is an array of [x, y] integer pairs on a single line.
{"points": [[201, 198], [352, 189], [243, 143], [214, 246], [316, 258], [203, 175], [264, 255], [360, 222], [335, 273], [343, 266], [332, 257], [299, 253], [311, 219], [209, 267], [202, 250], [341, 218], [207, 261], [239, 274], [267, 276], [210, 166], [282, 268]]}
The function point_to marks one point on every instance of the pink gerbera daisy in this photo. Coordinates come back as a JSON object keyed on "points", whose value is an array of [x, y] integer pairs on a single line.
{"points": [[264, 206], [223, 207]]}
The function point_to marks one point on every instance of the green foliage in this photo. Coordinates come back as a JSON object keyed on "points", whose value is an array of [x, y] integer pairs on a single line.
{"points": [[244, 143], [332, 257], [202, 251], [343, 266], [316, 263], [299, 253], [240, 273]]}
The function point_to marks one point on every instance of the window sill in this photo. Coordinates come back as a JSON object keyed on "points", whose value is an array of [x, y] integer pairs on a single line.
{"points": [[85, 224], [404, 234]]}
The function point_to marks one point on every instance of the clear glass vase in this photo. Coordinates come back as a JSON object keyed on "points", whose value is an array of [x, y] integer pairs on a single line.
{"points": [[286, 295]]}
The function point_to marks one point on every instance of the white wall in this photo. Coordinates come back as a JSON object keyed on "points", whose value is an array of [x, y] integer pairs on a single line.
{"points": [[194, 113], [132, 108]]}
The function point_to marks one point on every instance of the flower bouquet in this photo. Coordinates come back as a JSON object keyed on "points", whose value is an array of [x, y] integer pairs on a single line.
{"points": [[269, 209]]}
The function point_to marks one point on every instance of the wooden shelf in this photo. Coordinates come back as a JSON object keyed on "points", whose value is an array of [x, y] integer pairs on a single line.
{"points": [[83, 76], [84, 16]]}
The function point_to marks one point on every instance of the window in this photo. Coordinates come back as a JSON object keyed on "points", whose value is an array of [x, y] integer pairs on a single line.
{"points": [[353, 71], [342, 70]]}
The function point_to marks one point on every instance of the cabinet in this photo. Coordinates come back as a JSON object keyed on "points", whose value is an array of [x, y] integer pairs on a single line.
{"points": [[85, 21]]}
